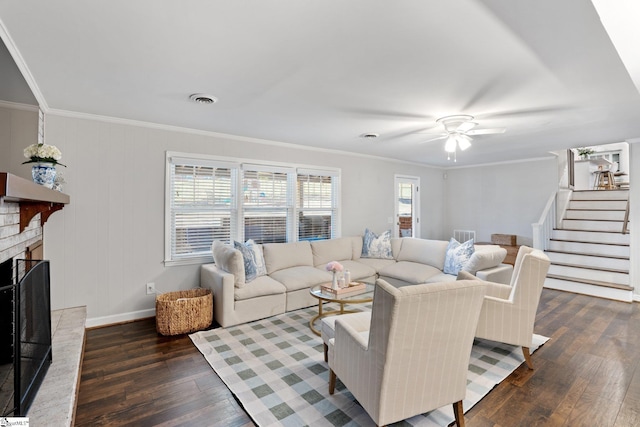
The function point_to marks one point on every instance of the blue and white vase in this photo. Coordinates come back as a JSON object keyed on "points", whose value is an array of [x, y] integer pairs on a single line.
{"points": [[44, 174]]}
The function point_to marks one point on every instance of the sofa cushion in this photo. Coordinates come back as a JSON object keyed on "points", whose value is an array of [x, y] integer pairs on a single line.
{"points": [[357, 269], [485, 257], [443, 277], [325, 251], [396, 244], [376, 264], [249, 261], [374, 246], [356, 246], [423, 251], [261, 286], [278, 256], [457, 255], [301, 277], [411, 272]]}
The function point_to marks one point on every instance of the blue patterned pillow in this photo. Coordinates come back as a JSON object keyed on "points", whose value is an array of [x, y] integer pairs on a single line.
{"points": [[374, 246], [457, 255], [258, 256], [250, 269]]}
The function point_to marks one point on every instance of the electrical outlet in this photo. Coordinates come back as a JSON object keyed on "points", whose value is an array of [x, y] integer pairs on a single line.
{"points": [[151, 288]]}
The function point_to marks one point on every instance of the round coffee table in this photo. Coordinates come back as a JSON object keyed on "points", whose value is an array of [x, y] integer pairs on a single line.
{"points": [[316, 292]]}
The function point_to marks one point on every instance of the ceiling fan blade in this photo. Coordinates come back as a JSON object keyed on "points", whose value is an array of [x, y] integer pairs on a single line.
{"points": [[388, 114], [442, 136], [464, 142], [527, 112], [466, 127], [486, 131], [413, 131]]}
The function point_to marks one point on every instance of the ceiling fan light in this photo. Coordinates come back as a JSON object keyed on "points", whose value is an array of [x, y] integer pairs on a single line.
{"points": [[463, 142], [450, 145]]}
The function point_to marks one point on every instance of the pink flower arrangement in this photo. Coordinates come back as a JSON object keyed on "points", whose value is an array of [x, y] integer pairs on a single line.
{"points": [[334, 266]]}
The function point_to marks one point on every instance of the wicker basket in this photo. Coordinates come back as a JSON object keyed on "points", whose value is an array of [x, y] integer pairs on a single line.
{"points": [[182, 312]]}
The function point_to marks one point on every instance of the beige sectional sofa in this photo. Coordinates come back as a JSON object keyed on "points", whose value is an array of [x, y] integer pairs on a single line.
{"points": [[293, 268]]}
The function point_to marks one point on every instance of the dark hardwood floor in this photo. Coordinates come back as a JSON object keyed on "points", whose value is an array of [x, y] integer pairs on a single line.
{"points": [[588, 374]]}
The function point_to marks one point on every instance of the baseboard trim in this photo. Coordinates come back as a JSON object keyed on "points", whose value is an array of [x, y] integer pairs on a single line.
{"points": [[120, 318], [585, 289]]}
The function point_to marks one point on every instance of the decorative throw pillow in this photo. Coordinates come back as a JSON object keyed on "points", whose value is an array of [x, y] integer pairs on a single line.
{"points": [[457, 255], [374, 246], [230, 260], [249, 261], [485, 257], [258, 256]]}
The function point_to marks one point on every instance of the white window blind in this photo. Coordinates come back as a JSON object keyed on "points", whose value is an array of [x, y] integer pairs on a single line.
{"points": [[316, 199], [202, 207], [210, 198], [267, 204]]}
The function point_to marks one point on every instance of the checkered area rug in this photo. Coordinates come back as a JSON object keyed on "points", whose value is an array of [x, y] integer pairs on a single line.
{"points": [[276, 369]]}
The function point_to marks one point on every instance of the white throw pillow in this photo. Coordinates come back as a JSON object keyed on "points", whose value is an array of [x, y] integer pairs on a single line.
{"points": [[483, 258], [230, 260]]}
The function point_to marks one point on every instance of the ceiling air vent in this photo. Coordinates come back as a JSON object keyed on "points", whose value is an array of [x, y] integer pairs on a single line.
{"points": [[369, 135], [203, 98]]}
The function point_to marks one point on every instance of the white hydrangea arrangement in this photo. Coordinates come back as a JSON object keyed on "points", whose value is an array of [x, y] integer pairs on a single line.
{"points": [[43, 153]]}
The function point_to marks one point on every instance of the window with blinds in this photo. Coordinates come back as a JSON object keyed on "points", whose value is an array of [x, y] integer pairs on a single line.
{"points": [[201, 207], [210, 199], [267, 204], [316, 205]]}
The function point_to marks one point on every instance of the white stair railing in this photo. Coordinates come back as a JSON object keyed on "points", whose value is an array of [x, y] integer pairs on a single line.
{"points": [[625, 223], [544, 227], [464, 235]]}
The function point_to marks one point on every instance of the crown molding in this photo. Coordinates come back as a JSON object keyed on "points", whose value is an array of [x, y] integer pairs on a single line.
{"points": [[506, 162], [178, 129], [19, 106]]}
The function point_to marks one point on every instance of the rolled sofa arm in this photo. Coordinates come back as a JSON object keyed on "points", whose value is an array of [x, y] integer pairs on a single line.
{"points": [[222, 286]]}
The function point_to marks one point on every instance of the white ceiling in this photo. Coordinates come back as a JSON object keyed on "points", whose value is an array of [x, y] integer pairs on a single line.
{"points": [[321, 73]]}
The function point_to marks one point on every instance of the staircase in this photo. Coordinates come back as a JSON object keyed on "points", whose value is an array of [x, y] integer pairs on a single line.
{"points": [[588, 251]]}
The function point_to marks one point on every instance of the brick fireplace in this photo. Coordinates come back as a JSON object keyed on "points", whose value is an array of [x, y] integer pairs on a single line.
{"points": [[13, 243], [25, 349], [24, 209]]}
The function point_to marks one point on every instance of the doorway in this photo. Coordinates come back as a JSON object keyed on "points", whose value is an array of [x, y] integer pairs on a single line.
{"points": [[407, 206]]}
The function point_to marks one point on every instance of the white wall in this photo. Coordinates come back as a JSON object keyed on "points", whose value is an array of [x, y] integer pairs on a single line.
{"points": [[501, 198], [109, 241], [18, 129]]}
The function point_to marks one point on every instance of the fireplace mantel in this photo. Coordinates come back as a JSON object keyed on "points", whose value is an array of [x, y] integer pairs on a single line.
{"points": [[33, 198]]}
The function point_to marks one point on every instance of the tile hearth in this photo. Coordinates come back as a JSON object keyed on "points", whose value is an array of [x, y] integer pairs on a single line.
{"points": [[56, 400]]}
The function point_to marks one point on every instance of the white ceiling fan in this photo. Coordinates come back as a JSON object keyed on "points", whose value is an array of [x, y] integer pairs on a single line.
{"points": [[458, 132]]}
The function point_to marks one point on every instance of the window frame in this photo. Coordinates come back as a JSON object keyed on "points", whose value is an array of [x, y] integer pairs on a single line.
{"points": [[238, 166]]}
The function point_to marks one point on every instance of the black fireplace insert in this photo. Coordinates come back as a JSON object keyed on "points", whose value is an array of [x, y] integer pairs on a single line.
{"points": [[25, 333]]}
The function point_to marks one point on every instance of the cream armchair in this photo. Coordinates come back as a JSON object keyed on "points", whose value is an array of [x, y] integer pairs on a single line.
{"points": [[509, 312], [415, 357]]}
